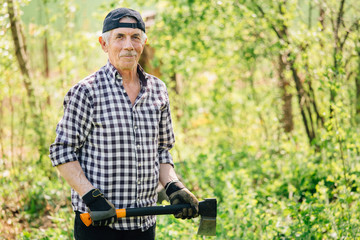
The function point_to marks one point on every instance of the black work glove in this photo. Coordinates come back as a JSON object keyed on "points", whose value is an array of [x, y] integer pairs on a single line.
{"points": [[102, 212], [178, 194]]}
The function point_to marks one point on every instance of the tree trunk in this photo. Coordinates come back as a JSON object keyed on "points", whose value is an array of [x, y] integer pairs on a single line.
{"points": [[322, 17], [357, 84], [145, 61], [336, 61], [21, 52], [2, 152], [305, 109], [321, 20], [287, 118], [310, 15], [46, 56], [307, 105], [24, 63]]}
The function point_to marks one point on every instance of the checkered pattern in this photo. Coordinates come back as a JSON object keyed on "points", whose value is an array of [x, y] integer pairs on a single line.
{"points": [[119, 145]]}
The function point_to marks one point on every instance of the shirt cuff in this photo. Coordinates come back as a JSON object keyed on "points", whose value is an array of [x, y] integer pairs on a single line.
{"points": [[60, 154], [165, 157]]}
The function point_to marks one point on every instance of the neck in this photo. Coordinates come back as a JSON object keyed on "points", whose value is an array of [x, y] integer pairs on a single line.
{"points": [[129, 76]]}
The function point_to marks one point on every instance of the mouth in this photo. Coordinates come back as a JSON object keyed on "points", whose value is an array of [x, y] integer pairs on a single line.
{"points": [[128, 58], [128, 55]]}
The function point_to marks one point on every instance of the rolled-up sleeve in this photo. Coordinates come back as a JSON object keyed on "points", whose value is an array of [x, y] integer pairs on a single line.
{"points": [[74, 127], [166, 136]]}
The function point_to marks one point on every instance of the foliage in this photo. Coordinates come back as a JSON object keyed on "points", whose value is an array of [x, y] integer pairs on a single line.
{"points": [[227, 116]]}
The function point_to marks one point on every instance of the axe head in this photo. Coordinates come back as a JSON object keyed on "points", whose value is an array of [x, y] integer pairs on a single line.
{"points": [[207, 211]]}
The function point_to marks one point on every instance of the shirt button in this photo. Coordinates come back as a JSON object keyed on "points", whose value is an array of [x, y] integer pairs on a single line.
{"points": [[139, 164], [135, 127], [139, 182], [138, 146]]}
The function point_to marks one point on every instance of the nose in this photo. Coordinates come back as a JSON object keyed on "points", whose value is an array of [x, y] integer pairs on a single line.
{"points": [[128, 44]]}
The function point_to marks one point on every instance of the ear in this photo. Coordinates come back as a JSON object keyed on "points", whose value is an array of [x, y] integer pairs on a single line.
{"points": [[103, 44], [143, 46]]}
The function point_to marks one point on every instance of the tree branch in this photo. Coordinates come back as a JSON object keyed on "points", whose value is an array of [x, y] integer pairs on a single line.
{"points": [[271, 24], [340, 14], [338, 22], [19, 44], [352, 27]]}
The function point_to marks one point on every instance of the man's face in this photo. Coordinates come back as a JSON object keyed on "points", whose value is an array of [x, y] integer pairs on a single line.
{"points": [[124, 47]]}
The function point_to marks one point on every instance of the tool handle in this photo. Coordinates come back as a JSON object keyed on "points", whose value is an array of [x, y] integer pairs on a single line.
{"points": [[155, 210], [143, 211]]}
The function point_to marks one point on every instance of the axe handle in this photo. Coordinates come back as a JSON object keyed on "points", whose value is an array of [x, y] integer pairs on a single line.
{"points": [[143, 211]]}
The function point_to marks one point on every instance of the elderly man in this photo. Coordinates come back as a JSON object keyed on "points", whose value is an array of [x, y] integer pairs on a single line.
{"points": [[112, 144]]}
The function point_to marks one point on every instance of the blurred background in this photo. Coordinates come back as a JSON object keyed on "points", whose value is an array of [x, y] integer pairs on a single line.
{"points": [[265, 99]]}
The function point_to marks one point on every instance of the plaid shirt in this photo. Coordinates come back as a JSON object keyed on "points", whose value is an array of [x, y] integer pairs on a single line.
{"points": [[119, 146]]}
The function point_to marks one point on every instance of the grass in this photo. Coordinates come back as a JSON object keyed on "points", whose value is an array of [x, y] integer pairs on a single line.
{"points": [[266, 189]]}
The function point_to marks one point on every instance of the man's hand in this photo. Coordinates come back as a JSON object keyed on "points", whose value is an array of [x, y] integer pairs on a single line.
{"points": [[102, 212], [178, 194]]}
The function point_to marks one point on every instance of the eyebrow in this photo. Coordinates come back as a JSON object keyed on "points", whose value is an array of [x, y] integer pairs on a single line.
{"points": [[122, 34]]}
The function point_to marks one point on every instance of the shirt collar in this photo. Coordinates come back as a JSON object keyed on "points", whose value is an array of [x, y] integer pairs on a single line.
{"points": [[142, 75], [113, 73], [111, 70]]}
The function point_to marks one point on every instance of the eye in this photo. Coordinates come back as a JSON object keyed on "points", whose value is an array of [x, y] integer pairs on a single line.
{"points": [[136, 37]]}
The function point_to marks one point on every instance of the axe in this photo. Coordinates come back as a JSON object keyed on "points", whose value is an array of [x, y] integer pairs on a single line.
{"points": [[207, 212]]}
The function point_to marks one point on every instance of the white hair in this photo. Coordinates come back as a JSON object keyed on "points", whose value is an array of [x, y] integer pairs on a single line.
{"points": [[106, 35]]}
